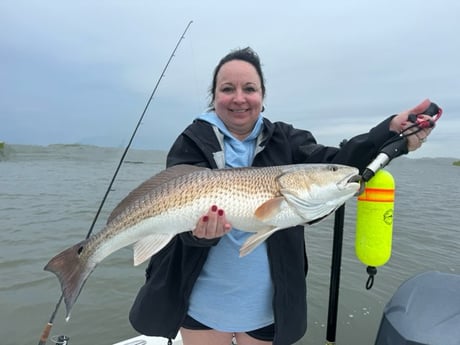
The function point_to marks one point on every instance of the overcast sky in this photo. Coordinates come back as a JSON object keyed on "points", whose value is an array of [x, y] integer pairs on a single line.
{"points": [[82, 71]]}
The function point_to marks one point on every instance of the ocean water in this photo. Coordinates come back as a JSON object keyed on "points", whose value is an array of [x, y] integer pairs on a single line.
{"points": [[49, 197]]}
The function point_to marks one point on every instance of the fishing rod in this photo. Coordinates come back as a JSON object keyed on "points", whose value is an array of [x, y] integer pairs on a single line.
{"points": [[47, 329]]}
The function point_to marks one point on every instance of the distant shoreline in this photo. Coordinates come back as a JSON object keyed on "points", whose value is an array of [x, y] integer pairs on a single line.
{"points": [[455, 160]]}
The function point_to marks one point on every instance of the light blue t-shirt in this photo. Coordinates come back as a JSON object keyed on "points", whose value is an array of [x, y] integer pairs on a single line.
{"points": [[234, 294]]}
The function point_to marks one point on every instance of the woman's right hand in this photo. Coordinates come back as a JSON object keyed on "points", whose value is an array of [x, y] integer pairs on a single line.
{"points": [[415, 136], [212, 225]]}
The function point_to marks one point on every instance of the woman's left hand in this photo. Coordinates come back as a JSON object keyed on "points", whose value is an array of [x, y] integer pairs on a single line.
{"points": [[401, 122]]}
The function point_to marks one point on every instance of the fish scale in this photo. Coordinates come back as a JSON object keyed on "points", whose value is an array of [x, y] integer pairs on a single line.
{"points": [[219, 188]]}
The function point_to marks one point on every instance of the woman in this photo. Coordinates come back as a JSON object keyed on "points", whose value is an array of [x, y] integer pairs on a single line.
{"points": [[198, 284]]}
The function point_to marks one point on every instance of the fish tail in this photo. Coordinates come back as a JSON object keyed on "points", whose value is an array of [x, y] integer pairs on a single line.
{"points": [[72, 269]]}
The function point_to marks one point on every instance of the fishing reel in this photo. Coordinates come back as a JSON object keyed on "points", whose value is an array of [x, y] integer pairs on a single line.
{"points": [[60, 340]]}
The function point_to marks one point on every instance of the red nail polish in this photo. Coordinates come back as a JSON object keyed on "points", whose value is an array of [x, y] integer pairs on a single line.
{"points": [[205, 218], [214, 208], [220, 213]]}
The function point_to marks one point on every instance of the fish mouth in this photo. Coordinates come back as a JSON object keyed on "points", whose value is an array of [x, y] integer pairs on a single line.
{"points": [[353, 179], [357, 179]]}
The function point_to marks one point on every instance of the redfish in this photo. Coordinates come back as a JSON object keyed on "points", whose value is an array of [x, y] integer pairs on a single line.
{"points": [[261, 200]]}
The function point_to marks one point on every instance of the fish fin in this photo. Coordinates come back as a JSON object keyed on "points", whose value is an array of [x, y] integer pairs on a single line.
{"points": [[150, 184], [309, 211], [150, 245], [255, 240], [269, 209], [72, 270]]}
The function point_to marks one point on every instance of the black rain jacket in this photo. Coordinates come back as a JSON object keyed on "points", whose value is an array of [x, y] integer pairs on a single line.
{"points": [[162, 302]]}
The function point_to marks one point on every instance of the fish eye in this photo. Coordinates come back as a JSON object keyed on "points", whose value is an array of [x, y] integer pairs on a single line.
{"points": [[333, 168], [80, 250]]}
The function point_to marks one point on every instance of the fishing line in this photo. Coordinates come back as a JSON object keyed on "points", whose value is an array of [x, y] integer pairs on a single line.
{"points": [[46, 331], [135, 131]]}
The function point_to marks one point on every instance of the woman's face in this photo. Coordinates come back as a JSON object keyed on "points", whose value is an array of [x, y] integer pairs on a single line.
{"points": [[238, 97]]}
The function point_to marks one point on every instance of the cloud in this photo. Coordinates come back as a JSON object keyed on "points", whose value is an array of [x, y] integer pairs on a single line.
{"points": [[83, 71]]}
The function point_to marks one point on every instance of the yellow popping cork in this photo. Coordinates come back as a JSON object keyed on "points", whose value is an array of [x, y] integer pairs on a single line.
{"points": [[374, 220]]}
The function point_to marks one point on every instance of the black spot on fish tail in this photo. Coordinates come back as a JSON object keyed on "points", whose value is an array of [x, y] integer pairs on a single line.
{"points": [[72, 270]]}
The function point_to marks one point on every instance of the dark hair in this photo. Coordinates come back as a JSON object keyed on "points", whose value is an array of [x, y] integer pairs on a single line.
{"points": [[246, 54]]}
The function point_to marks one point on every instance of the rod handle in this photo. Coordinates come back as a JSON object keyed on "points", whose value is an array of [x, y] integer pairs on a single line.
{"points": [[45, 334]]}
